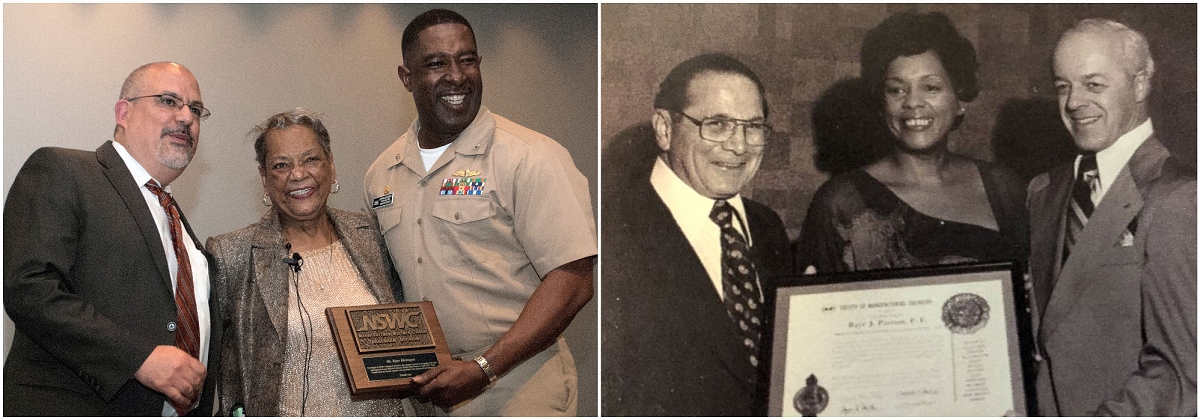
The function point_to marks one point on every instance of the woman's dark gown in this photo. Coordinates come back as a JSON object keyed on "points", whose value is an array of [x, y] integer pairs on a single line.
{"points": [[856, 223]]}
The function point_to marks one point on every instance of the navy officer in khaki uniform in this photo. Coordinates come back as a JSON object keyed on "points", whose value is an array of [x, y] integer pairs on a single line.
{"points": [[490, 221]]}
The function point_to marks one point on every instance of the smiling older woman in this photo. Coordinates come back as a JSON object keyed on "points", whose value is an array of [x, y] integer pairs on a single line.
{"points": [[920, 205], [281, 361]]}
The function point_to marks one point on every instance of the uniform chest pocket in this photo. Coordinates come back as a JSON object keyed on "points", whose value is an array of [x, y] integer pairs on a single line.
{"points": [[462, 210], [388, 218], [462, 230]]}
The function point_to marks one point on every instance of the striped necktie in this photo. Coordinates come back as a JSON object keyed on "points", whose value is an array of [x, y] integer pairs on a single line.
{"points": [[187, 334], [739, 280], [1083, 200]]}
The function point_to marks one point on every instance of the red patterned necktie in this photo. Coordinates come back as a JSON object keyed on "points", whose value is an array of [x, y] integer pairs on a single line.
{"points": [[187, 335], [1083, 201], [739, 282]]}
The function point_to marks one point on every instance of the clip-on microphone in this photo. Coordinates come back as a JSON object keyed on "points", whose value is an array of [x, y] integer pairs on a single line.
{"points": [[296, 261]]}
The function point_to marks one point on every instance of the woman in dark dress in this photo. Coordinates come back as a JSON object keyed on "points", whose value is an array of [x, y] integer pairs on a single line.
{"points": [[920, 205]]}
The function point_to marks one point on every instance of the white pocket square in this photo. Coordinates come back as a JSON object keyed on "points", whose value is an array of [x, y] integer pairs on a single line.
{"points": [[1126, 239]]}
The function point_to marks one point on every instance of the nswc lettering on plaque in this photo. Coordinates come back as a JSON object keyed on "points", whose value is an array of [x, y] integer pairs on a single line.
{"points": [[378, 330]]}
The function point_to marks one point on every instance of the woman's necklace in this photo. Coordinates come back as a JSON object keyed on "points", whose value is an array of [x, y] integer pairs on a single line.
{"points": [[308, 238], [323, 284]]}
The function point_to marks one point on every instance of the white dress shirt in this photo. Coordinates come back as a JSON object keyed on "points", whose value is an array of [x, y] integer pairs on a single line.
{"points": [[197, 259], [690, 211], [1113, 159]]}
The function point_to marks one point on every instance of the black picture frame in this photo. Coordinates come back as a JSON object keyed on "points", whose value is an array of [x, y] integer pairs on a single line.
{"points": [[1006, 275]]}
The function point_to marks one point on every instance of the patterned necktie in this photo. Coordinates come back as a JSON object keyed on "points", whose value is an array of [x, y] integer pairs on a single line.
{"points": [[739, 281], [1083, 200], [187, 336]]}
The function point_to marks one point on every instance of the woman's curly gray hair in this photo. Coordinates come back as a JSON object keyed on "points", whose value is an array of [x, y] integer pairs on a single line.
{"points": [[282, 120]]}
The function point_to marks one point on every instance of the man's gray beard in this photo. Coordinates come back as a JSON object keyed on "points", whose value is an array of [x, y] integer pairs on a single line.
{"points": [[173, 157]]}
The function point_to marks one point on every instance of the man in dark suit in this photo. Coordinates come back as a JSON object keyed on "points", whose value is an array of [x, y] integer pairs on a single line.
{"points": [[94, 252], [686, 258], [1113, 261]]}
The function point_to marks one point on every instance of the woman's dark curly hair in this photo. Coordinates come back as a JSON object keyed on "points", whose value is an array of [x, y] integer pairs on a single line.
{"points": [[910, 33]]}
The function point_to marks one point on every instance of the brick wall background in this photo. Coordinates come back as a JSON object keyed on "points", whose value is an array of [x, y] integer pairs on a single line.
{"points": [[807, 55]]}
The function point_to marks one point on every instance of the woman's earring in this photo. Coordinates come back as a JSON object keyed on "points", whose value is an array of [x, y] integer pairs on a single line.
{"points": [[336, 187], [266, 200]]}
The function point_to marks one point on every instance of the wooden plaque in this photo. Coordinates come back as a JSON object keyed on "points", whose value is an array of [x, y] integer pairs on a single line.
{"points": [[383, 346]]}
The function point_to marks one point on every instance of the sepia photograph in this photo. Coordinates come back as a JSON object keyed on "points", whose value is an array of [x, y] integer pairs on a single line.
{"points": [[752, 145]]}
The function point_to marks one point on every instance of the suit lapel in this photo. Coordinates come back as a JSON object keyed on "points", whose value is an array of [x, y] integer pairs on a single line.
{"points": [[365, 258], [693, 285], [1096, 241], [187, 227], [1046, 219], [122, 181], [266, 255], [1147, 162], [770, 250]]}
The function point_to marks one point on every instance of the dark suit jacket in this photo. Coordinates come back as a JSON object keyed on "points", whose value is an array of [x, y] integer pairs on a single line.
{"points": [[248, 264], [87, 286], [1098, 310], [669, 347]]}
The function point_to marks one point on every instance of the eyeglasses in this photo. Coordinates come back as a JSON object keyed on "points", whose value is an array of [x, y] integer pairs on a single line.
{"points": [[718, 130], [173, 102]]}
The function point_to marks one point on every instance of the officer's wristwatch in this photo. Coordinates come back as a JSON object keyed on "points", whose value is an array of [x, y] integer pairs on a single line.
{"points": [[487, 369]]}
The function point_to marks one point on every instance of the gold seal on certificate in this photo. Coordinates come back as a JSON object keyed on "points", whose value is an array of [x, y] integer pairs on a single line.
{"points": [[383, 346], [812, 399], [965, 313]]}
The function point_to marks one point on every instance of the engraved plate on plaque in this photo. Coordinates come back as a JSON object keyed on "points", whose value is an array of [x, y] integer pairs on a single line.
{"points": [[401, 328], [383, 346]]}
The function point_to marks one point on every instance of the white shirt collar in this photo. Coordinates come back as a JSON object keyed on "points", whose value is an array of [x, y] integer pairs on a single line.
{"points": [[687, 206], [1112, 159], [690, 211], [135, 168]]}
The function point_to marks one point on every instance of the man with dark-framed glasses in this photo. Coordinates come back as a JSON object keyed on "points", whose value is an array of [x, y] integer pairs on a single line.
{"points": [[173, 101], [103, 277], [686, 256]]}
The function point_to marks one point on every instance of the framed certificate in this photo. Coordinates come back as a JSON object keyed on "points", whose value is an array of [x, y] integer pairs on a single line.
{"points": [[940, 341]]}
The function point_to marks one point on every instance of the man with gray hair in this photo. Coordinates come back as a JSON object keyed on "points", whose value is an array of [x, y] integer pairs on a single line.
{"points": [[1113, 253]]}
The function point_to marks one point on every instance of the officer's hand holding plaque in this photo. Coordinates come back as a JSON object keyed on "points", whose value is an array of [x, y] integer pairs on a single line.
{"points": [[383, 346]]}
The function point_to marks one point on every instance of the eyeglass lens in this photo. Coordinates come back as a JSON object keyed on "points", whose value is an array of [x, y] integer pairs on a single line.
{"points": [[177, 104], [721, 130]]}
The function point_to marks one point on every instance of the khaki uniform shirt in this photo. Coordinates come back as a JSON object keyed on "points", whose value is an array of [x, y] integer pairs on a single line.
{"points": [[475, 234]]}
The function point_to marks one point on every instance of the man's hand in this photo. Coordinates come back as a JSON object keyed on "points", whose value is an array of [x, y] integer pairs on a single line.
{"points": [[451, 383], [554, 303], [176, 374]]}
